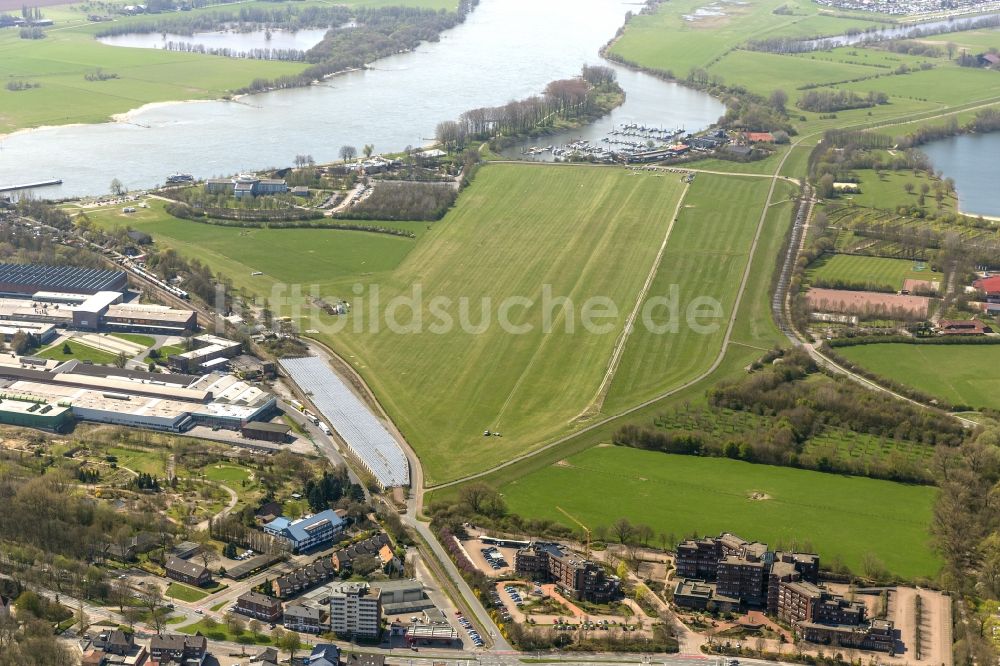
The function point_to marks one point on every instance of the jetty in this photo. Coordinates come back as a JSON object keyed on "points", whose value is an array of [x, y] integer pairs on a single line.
{"points": [[30, 186]]}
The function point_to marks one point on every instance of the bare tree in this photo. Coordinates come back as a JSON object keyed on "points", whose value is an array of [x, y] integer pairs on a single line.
{"points": [[152, 600], [348, 153], [117, 188], [623, 530]]}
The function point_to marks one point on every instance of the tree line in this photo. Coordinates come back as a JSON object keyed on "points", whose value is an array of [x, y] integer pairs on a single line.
{"points": [[283, 55], [829, 101], [562, 99], [403, 200], [798, 410], [373, 34]]}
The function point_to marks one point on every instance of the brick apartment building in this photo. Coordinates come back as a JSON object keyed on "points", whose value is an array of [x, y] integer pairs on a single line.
{"points": [[579, 579], [187, 571], [259, 606], [749, 575]]}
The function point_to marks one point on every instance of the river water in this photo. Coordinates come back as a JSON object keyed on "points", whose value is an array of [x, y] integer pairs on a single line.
{"points": [[971, 160], [506, 49], [906, 30], [300, 40]]}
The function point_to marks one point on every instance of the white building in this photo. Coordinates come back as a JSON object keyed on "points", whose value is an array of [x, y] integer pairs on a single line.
{"points": [[356, 610]]}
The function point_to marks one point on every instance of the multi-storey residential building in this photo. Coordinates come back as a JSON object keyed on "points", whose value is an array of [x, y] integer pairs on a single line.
{"points": [[302, 618], [578, 578], [698, 558], [356, 610], [307, 533], [256, 605]]}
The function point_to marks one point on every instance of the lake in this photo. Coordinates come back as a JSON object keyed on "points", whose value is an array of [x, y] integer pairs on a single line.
{"points": [[971, 160], [300, 40], [506, 49]]}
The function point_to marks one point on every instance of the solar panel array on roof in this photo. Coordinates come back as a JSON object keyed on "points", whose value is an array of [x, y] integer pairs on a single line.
{"points": [[42, 277], [353, 421]]}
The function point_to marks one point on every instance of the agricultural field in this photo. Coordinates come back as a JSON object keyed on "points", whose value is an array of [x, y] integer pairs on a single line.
{"points": [[518, 232], [78, 351], [841, 517], [764, 72], [944, 85], [698, 43], [705, 259], [887, 274], [974, 41], [302, 257], [960, 374]]}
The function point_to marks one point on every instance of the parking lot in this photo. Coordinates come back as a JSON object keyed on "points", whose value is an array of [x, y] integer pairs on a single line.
{"points": [[469, 629], [493, 561]]}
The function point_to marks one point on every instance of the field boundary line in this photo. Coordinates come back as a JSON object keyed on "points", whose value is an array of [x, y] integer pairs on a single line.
{"points": [[597, 403], [720, 357]]}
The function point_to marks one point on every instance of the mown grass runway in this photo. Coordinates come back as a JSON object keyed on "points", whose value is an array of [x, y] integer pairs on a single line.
{"points": [[839, 517], [518, 232], [703, 266]]}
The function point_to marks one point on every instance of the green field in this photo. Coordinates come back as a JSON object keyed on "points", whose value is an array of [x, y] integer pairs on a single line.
{"points": [[583, 231], [137, 338], [886, 273], [185, 592], [302, 257], [699, 43], [150, 461], [887, 191], [231, 475], [79, 352], [840, 517], [705, 259], [960, 374]]}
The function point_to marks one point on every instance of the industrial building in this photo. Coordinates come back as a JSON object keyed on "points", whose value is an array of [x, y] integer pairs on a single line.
{"points": [[146, 318], [27, 279], [100, 311], [44, 333], [207, 348], [173, 403]]}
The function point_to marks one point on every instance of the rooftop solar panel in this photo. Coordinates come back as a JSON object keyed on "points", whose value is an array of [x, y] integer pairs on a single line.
{"points": [[351, 418]]}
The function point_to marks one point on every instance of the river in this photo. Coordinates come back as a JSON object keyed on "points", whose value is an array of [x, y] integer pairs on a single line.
{"points": [[299, 40], [901, 31], [506, 49], [971, 160]]}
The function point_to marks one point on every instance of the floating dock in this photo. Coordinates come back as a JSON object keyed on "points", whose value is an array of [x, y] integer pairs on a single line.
{"points": [[30, 186]]}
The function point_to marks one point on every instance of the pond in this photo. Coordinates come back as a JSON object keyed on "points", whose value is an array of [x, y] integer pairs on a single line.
{"points": [[971, 160], [237, 42]]}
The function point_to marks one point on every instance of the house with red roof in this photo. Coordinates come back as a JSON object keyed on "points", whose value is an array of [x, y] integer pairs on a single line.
{"points": [[989, 286], [759, 137], [963, 327]]}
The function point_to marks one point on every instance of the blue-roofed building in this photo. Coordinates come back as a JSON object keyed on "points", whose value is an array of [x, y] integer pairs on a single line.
{"points": [[324, 654], [307, 533]]}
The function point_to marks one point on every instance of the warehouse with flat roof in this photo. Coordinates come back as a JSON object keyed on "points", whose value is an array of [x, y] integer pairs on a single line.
{"points": [[27, 279]]}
